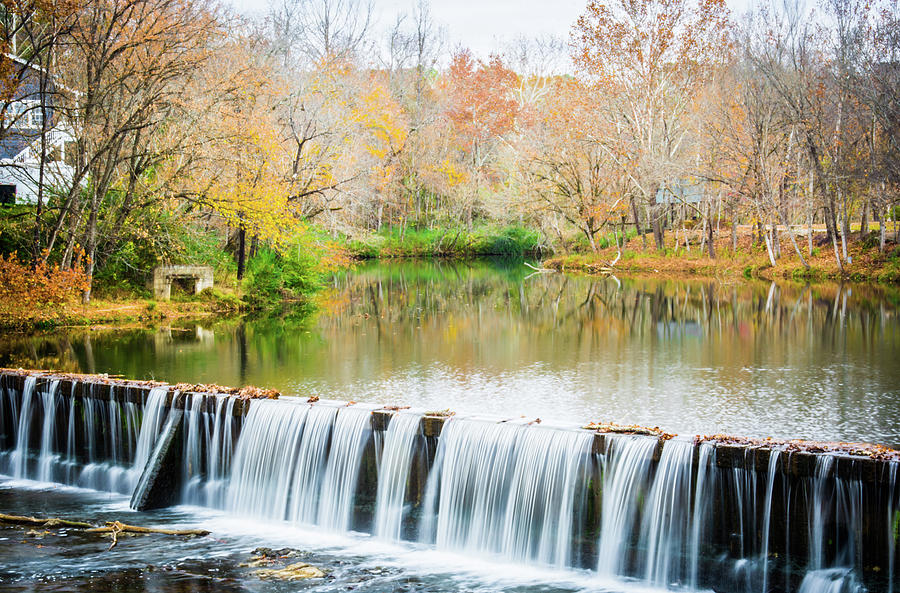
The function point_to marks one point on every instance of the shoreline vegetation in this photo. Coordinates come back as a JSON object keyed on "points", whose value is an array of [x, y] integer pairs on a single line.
{"points": [[276, 283], [275, 153]]}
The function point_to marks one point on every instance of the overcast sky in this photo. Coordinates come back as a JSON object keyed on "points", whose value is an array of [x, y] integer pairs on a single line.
{"points": [[484, 25]]}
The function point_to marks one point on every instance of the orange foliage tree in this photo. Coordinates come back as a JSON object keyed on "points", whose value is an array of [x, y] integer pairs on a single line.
{"points": [[481, 108], [570, 170]]}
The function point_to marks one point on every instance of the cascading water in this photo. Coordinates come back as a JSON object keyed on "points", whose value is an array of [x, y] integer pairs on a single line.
{"points": [[507, 489], [393, 475], [19, 457], [300, 463], [838, 501], [704, 507], [625, 474], [151, 424], [352, 430], [312, 456], [48, 457], [265, 458], [219, 454], [774, 456], [688, 519], [666, 522]]}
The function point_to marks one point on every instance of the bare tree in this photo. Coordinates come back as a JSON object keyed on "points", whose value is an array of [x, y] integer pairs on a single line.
{"points": [[317, 31]]}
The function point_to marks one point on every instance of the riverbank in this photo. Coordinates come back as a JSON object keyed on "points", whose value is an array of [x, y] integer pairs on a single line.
{"points": [[748, 261], [120, 312]]}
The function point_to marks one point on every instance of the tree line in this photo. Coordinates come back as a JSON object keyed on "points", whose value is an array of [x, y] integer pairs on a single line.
{"points": [[188, 120]]}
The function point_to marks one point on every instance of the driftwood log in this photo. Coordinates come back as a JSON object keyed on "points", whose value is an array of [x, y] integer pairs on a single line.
{"points": [[113, 528], [116, 527], [46, 522]]}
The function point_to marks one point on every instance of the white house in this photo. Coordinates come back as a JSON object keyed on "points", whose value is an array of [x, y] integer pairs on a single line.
{"points": [[20, 147]]}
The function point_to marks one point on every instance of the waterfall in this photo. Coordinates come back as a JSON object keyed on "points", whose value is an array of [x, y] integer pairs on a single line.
{"points": [[767, 519], [393, 476], [48, 457], [625, 474], [300, 463], [196, 436], [351, 432], [71, 463], [831, 580], [219, 454], [666, 521], [306, 490], [151, 424], [20, 454], [265, 458], [737, 519], [836, 499], [508, 489], [705, 497]]}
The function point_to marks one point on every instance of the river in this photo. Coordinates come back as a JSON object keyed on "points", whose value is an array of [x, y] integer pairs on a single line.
{"points": [[690, 356]]}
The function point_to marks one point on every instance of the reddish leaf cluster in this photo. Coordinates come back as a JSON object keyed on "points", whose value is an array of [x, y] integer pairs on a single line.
{"points": [[46, 289]]}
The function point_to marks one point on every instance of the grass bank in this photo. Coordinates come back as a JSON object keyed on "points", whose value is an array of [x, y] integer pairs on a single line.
{"points": [[122, 310], [395, 242], [750, 260]]}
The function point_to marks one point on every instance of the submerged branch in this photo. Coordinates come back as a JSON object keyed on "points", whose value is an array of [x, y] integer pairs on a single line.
{"points": [[45, 522]]}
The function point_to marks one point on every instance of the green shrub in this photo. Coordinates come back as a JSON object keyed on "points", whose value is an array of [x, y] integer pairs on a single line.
{"points": [[273, 278], [511, 241]]}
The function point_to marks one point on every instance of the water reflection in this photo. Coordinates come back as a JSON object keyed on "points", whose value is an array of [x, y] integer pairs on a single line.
{"points": [[708, 356]]}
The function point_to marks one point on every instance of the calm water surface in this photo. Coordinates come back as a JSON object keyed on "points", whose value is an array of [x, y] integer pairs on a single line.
{"points": [[693, 357]]}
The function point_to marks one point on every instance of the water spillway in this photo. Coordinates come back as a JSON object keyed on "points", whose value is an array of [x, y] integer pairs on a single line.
{"points": [[681, 514]]}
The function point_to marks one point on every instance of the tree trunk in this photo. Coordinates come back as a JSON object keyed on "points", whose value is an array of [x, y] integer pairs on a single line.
{"points": [[864, 218], [794, 242], [91, 248], [830, 223], [637, 222], [809, 233], [876, 215], [845, 232], [769, 251], [241, 254], [591, 241], [734, 235], [711, 239], [657, 228]]}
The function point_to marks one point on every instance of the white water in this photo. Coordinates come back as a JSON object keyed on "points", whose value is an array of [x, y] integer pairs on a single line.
{"points": [[20, 454], [705, 499], [393, 473], [47, 457], [300, 463], [265, 459], [352, 430], [625, 475], [767, 520], [151, 424], [666, 525], [507, 489]]}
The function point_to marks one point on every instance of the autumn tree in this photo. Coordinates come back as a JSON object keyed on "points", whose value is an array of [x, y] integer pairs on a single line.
{"points": [[653, 56], [124, 66], [571, 173], [482, 108]]}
